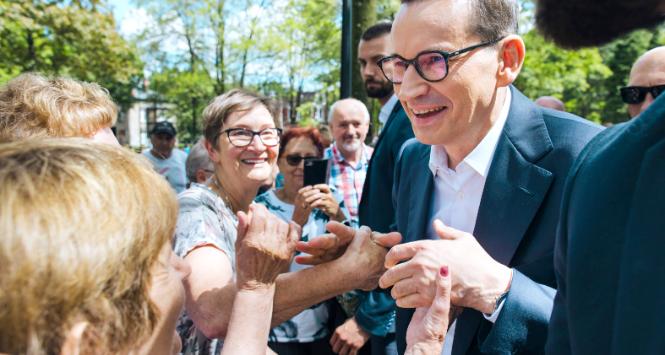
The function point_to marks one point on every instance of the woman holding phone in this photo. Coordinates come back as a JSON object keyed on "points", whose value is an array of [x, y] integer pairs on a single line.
{"points": [[310, 207]]}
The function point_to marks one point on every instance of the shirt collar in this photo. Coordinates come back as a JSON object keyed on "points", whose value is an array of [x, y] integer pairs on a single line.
{"points": [[339, 158], [387, 109], [481, 156]]}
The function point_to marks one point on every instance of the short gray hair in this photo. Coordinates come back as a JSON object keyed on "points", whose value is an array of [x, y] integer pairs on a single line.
{"points": [[222, 106], [197, 159]]}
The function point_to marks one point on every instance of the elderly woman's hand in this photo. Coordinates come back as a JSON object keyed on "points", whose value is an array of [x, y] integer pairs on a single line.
{"points": [[429, 325], [326, 202], [264, 247], [302, 209]]}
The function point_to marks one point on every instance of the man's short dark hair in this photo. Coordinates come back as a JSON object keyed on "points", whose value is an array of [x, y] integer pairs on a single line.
{"points": [[377, 30], [580, 23], [491, 19]]}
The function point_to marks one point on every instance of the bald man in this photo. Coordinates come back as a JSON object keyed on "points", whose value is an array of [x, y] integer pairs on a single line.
{"points": [[550, 102], [349, 156], [646, 82]]}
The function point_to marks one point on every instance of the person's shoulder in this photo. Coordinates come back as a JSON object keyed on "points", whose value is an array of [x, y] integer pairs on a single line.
{"points": [[197, 196], [566, 129], [412, 148], [180, 154]]}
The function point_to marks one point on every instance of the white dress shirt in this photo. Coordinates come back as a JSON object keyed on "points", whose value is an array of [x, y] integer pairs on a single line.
{"points": [[457, 192], [386, 110]]}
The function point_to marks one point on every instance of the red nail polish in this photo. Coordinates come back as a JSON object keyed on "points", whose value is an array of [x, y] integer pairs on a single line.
{"points": [[444, 271]]}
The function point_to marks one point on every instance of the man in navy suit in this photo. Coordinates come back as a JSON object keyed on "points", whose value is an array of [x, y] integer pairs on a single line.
{"points": [[609, 251], [374, 319], [480, 189]]}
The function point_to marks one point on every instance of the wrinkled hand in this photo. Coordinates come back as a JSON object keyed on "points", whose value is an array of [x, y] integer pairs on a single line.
{"points": [[476, 283], [429, 325], [363, 260], [302, 209], [348, 338], [264, 247], [326, 202]]}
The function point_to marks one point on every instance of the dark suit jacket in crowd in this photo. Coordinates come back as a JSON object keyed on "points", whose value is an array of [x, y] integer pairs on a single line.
{"points": [[516, 222], [609, 257], [375, 312]]}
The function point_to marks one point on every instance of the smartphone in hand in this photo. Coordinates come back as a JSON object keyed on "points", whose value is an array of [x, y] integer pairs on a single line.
{"points": [[316, 172]]}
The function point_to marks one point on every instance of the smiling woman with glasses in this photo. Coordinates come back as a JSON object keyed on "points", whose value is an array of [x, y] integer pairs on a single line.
{"points": [[243, 144]]}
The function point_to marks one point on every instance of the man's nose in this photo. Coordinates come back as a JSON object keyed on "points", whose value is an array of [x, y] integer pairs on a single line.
{"points": [[412, 85]]}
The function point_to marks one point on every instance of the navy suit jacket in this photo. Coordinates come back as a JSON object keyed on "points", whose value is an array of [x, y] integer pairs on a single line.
{"points": [[609, 254], [376, 309], [516, 222]]}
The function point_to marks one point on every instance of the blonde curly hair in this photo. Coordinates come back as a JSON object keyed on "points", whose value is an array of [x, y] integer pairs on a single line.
{"points": [[33, 105], [82, 223]]}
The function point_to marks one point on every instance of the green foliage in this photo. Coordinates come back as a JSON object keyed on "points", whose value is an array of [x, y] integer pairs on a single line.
{"points": [[188, 93], [571, 76], [587, 80], [76, 39]]}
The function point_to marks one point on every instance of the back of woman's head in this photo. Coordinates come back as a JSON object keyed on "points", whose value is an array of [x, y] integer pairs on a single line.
{"points": [[32, 105], [81, 225]]}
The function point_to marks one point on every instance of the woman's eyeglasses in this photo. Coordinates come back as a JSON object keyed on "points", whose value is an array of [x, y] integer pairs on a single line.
{"points": [[242, 137], [636, 94], [294, 160]]}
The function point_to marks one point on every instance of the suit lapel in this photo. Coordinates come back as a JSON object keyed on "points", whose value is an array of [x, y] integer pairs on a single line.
{"points": [[514, 189], [389, 122], [420, 194]]}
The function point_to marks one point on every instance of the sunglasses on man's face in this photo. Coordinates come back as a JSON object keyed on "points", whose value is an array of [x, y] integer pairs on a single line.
{"points": [[637, 94], [294, 160]]}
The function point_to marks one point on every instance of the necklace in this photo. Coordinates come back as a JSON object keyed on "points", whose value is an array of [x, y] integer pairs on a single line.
{"points": [[222, 193]]}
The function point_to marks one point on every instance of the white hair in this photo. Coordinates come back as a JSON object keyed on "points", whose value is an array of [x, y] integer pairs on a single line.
{"points": [[349, 101]]}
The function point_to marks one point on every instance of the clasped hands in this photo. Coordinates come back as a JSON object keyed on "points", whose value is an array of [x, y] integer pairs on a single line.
{"points": [[418, 273]]}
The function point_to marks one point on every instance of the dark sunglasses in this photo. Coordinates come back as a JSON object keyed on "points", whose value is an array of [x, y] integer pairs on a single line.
{"points": [[294, 160], [637, 94]]}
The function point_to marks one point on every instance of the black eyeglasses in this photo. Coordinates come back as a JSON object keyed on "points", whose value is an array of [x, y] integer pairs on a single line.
{"points": [[242, 137], [637, 94], [294, 160], [430, 65]]}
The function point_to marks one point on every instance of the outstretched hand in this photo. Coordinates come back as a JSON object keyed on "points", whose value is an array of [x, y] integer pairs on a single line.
{"points": [[429, 325], [331, 246], [264, 247]]}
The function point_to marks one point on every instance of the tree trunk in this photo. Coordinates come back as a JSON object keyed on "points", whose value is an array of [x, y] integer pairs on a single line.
{"points": [[364, 15]]}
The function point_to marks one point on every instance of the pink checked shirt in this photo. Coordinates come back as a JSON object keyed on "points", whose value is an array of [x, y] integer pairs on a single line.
{"points": [[347, 179]]}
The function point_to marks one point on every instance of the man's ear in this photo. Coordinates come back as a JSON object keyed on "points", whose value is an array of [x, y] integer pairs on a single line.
{"points": [[511, 59], [72, 343]]}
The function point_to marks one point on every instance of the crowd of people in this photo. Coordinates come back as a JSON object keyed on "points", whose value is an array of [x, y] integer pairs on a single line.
{"points": [[479, 222]]}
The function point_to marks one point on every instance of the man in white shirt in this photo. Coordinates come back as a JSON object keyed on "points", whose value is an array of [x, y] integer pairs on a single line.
{"points": [[480, 189]]}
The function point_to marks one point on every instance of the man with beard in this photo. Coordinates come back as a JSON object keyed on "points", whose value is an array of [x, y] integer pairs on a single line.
{"points": [[349, 156], [609, 251], [374, 318]]}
